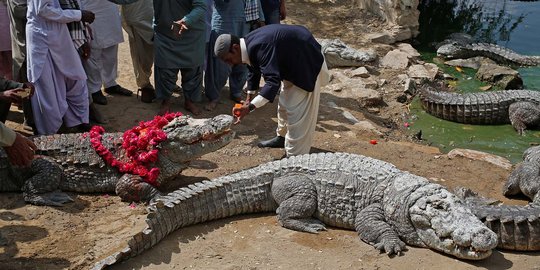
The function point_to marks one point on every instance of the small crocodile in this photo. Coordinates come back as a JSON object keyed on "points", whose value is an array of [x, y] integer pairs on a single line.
{"points": [[459, 49], [68, 162], [386, 206], [521, 108]]}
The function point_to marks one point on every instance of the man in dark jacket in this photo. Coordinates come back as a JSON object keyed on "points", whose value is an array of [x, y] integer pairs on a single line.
{"points": [[288, 54]]}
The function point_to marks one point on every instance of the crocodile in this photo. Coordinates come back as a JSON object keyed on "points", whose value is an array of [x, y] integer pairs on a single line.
{"points": [[517, 227], [521, 108], [67, 162], [339, 54], [386, 206], [462, 49]]}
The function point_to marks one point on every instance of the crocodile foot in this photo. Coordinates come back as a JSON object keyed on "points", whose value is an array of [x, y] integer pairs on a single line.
{"points": [[305, 225], [390, 246], [55, 198]]}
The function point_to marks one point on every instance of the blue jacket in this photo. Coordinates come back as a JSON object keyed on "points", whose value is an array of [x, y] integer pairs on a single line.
{"points": [[283, 52]]}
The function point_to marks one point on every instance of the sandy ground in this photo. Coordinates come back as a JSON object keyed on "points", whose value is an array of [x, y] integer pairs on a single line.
{"points": [[80, 233]]}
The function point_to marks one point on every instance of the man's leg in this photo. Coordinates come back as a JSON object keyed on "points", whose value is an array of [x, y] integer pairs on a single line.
{"points": [[49, 100], [192, 86], [216, 74], [142, 56], [281, 130], [92, 67], [77, 99], [302, 108], [109, 72], [165, 81]]}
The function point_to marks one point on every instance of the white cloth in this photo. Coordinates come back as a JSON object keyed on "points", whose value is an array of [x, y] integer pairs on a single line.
{"points": [[297, 114], [101, 68], [58, 99], [107, 27], [47, 36]]}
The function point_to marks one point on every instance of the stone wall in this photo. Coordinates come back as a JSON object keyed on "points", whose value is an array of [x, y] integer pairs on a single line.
{"points": [[402, 15]]}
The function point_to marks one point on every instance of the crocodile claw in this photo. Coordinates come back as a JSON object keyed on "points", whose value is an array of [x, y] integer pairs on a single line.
{"points": [[55, 198]]}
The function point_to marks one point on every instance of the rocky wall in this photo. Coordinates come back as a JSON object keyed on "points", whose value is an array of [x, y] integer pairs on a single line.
{"points": [[402, 15]]}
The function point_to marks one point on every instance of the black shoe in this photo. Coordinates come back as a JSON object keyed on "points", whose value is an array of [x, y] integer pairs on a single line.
{"points": [[148, 94], [99, 98], [276, 142], [117, 89]]}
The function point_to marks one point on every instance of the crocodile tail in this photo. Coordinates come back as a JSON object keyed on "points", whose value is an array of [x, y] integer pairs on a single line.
{"points": [[241, 193], [518, 227]]}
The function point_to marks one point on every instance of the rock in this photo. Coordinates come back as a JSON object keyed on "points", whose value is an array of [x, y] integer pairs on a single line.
{"points": [[418, 72], [402, 98], [367, 97], [370, 83], [474, 62], [401, 33], [368, 126], [395, 59], [501, 76], [402, 78], [361, 72], [485, 88], [335, 87], [410, 87], [408, 49], [477, 155], [383, 38]]}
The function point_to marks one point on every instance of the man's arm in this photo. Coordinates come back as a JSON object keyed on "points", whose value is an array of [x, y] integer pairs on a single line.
{"points": [[6, 84], [18, 8], [7, 135], [19, 149], [47, 10], [197, 14]]}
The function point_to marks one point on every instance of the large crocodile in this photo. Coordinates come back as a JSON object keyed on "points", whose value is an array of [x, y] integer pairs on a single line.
{"points": [[460, 49], [339, 54], [521, 108], [386, 206], [69, 162], [517, 227]]}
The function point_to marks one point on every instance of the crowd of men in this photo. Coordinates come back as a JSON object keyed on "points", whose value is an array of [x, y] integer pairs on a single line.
{"points": [[66, 53]]}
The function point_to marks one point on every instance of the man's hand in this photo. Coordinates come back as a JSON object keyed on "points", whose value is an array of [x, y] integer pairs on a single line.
{"points": [[21, 153], [180, 25], [12, 96], [240, 110], [87, 16], [85, 50]]}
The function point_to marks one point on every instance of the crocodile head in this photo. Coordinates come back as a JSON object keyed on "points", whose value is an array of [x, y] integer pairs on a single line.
{"points": [[189, 138], [452, 50], [442, 222]]}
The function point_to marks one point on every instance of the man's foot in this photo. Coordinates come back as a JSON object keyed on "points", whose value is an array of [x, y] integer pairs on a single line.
{"points": [[99, 98], [96, 116], [165, 107], [117, 89], [148, 94], [211, 105], [276, 142], [191, 107]]}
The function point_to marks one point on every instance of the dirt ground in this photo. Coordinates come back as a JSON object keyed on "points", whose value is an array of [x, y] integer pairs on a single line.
{"points": [[78, 234]]}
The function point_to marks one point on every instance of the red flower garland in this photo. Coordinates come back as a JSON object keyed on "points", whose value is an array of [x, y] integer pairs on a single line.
{"points": [[139, 143]]}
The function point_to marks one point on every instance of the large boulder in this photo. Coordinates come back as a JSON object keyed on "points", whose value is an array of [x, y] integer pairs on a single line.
{"points": [[501, 76], [395, 59]]}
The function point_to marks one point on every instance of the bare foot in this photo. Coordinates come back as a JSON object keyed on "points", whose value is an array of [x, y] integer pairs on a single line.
{"points": [[165, 107], [191, 107], [211, 105]]}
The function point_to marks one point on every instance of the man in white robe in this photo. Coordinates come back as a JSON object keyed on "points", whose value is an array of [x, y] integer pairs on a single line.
{"points": [[55, 68], [102, 66]]}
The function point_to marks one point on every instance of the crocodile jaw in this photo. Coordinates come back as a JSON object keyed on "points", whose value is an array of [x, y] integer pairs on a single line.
{"points": [[189, 138], [443, 223]]}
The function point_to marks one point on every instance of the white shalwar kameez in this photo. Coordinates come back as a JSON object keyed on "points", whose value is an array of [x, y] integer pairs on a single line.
{"points": [[102, 66], [54, 67]]}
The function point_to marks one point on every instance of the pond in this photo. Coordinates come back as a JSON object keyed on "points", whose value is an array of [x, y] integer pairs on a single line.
{"points": [[513, 24]]}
